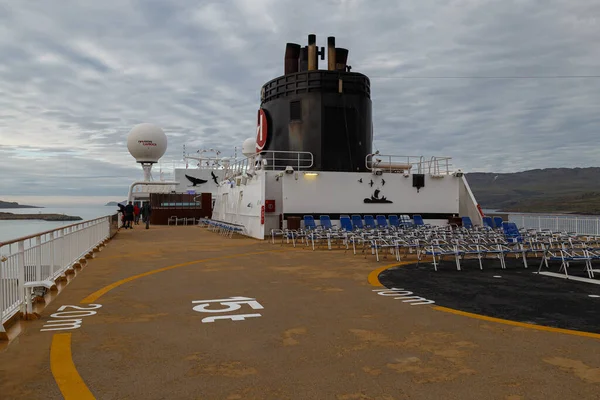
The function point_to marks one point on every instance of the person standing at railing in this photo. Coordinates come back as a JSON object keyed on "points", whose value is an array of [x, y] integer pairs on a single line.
{"points": [[128, 215]]}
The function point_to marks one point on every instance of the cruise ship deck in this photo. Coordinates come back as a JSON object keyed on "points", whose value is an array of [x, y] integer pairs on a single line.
{"points": [[152, 317]]}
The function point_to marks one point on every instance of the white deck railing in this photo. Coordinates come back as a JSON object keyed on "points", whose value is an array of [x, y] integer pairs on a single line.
{"points": [[38, 260], [409, 164], [578, 224], [271, 160]]}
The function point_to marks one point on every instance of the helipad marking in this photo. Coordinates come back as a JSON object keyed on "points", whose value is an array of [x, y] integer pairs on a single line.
{"points": [[65, 374], [374, 275], [92, 298], [374, 280], [73, 318], [232, 303]]}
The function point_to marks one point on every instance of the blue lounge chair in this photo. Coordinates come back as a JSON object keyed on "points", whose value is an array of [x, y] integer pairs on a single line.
{"points": [[370, 222], [418, 220], [498, 222], [309, 222], [394, 221], [511, 232], [488, 222], [346, 223], [357, 222], [381, 221], [467, 223], [325, 222]]}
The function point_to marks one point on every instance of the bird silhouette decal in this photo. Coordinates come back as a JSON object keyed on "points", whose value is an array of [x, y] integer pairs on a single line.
{"points": [[195, 181], [214, 177], [382, 182], [371, 183], [360, 180]]}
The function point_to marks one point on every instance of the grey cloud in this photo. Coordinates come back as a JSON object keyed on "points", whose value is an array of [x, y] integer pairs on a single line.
{"points": [[76, 77]]}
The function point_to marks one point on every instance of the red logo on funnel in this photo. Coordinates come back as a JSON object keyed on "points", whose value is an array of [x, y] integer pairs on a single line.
{"points": [[261, 130]]}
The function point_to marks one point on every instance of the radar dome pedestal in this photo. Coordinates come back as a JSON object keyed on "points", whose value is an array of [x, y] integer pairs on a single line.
{"points": [[147, 143]]}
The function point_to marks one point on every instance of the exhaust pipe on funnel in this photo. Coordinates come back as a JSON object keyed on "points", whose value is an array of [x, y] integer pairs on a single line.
{"points": [[341, 58], [331, 53], [292, 53], [312, 52], [303, 59]]}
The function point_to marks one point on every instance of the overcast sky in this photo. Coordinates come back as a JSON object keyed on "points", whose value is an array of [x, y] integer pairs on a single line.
{"points": [[76, 76]]}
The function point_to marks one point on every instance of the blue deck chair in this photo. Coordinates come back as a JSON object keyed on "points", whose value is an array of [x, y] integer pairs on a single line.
{"points": [[325, 222], [498, 222], [418, 220], [381, 221], [346, 223], [357, 221], [511, 232], [309, 222], [394, 221], [488, 222], [370, 222], [467, 223]]}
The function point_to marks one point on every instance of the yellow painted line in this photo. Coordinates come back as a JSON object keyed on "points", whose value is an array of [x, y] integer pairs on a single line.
{"points": [[65, 374], [92, 298], [374, 275], [519, 324]]}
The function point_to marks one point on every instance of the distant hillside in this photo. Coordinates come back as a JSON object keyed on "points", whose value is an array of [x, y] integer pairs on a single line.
{"points": [[14, 204], [569, 190], [113, 203]]}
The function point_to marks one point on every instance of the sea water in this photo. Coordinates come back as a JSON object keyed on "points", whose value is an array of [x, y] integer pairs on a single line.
{"points": [[13, 229]]}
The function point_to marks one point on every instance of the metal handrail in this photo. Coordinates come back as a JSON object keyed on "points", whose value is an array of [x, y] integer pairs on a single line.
{"points": [[271, 160], [39, 259], [398, 163], [20, 239]]}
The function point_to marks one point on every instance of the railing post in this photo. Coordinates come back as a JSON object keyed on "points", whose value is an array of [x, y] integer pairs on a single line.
{"points": [[2, 331], [38, 258], [21, 272], [52, 255], [576, 226], [597, 226]]}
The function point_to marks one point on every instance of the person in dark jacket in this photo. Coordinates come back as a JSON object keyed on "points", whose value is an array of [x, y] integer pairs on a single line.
{"points": [[129, 215], [122, 211], [146, 211]]}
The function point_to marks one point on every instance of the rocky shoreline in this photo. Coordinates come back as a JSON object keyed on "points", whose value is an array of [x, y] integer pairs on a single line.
{"points": [[45, 217]]}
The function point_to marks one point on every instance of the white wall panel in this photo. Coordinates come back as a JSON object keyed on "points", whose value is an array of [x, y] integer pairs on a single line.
{"points": [[341, 192], [241, 204]]}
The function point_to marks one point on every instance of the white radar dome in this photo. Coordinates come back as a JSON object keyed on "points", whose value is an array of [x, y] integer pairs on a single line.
{"points": [[249, 147], [147, 143]]}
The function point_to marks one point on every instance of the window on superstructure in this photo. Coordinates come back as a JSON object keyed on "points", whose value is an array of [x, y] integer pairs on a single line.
{"points": [[295, 111]]}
